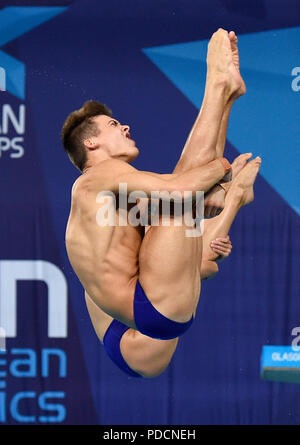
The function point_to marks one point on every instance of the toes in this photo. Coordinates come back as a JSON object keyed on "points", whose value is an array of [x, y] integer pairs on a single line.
{"points": [[245, 157], [257, 160], [242, 158]]}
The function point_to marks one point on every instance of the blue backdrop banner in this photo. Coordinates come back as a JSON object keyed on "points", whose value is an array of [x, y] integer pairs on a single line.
{"points": [[146, 61]]}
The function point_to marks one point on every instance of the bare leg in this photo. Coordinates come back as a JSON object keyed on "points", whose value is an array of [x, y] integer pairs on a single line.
{"points": [[193, 154], [146, 356], [215, 198], [223, 129], [242, 90], [171, 263], [222, 83], [169, 270], [169, 260], [239, 194]]}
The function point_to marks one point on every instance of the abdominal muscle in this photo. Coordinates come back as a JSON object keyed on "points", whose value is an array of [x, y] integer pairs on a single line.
{"points": [[105, 259]]}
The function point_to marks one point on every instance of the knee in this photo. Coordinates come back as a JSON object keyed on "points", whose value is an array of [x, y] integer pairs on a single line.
{"points": [[205, 157], [209, 268]]}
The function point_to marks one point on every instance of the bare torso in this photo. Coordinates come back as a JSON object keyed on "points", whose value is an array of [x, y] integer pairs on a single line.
{"points": [[106, 258]]}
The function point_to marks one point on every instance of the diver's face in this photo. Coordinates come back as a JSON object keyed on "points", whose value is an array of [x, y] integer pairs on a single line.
{"points": [[115, 139]]}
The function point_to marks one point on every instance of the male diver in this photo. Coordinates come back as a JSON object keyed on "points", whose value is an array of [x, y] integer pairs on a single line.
{"points": [[142, 285]]}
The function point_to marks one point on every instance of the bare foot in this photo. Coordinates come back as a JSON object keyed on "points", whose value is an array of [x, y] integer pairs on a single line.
{"points": [[214, 201], [236, 60], [220, 62], [242, 185], [239, 163]]}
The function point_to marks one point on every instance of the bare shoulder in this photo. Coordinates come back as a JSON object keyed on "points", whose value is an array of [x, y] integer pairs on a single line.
{"points": [[100, 177], [78, 189], [107, 170]]}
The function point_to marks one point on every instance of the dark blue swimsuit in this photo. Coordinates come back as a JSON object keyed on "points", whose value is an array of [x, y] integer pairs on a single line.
{"points": [[148, 321]]}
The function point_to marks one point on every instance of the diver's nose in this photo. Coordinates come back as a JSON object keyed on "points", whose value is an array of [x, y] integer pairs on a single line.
{"points": [[126, 130]]}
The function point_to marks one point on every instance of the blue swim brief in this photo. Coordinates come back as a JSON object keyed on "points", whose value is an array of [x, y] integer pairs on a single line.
{"points": [[152, 323], [111, 342]]}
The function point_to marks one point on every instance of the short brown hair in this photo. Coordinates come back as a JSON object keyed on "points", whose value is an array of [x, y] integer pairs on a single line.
{"points": [[78, 126]]}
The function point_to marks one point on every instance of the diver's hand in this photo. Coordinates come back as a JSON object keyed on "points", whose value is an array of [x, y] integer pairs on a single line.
{"points": [[221, 246]]}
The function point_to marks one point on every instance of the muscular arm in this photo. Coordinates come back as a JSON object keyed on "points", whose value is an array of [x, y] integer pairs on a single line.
{"points": [[112, 173]]}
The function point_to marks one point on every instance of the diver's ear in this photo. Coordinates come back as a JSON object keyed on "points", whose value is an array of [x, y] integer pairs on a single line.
{"points": [[90, 144]]}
